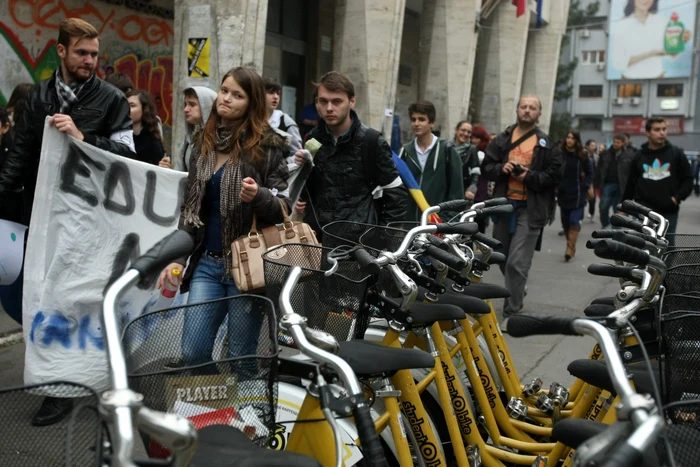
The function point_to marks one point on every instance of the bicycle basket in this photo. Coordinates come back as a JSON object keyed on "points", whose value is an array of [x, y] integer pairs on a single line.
{"points": [[75, 440], [334, 303], [682, 436], [373, 238], [213, 362], [683, 278], [680, 337], [681, 241]]}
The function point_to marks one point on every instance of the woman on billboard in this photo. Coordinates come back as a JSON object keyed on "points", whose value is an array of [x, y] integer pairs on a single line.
{"points": [[643, 37]]}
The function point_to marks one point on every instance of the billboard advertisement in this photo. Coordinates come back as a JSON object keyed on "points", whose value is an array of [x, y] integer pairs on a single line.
{"points": [[651, 39]]}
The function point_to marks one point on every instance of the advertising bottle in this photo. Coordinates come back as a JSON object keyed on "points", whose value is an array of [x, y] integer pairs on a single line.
{"points": [[673, 38]]}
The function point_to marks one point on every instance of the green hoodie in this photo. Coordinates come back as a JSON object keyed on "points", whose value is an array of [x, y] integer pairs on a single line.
{"points": [[440, 180]]}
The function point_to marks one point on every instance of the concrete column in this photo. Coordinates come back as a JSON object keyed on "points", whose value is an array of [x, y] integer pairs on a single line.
{"points": [[542, 59], [499, 73], [236, 30], [447, 54], [367, 47]]}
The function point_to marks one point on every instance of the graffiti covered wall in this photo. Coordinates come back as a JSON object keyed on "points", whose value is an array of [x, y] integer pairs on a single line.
{"points": [[136, 38]]}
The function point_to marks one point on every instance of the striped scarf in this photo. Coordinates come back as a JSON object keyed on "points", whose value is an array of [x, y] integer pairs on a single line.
{"points": [[231, 185], [68, 93]]}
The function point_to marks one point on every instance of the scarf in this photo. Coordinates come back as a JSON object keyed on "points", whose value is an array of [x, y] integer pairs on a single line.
{"points": [[231, 185], [68, 93], [462, 149]]}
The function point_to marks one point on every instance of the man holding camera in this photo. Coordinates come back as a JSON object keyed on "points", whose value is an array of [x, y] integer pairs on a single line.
{"points": [[526, 167]]}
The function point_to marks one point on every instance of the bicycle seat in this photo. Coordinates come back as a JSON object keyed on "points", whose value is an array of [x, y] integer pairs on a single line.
{"points": [[595, 373], [598, 310], [224, 445], [428, 313], [610, 301], [371, 358], [485, 291], [471, 305]]}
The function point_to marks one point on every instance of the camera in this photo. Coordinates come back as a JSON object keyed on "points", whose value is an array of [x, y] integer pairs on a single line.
{"points": [[518, 169]]}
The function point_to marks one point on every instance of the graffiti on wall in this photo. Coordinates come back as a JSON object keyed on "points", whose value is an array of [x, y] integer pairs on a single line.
{"points": [[138, 45]]}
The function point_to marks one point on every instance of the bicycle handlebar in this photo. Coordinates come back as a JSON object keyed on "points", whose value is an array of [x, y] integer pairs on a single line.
{"points": [[612, 270], [607, 233], [460, 228], [366, 261], [495, 202], [610, 249], [625, 222], [369, 439], [632, 207], [488, 241], [534, 325], [448, 259], [454, 205], [175, 245]]}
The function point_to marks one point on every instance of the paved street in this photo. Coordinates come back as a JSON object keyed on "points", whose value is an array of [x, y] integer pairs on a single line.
{"points": [[554, 287]]}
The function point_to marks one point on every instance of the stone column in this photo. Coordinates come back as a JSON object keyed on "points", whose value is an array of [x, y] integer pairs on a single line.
{"points": [[542, 59], [447, 53], [236, 30], [498, 75], [367, 47]]}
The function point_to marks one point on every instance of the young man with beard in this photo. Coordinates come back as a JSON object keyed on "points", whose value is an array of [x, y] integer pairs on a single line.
{"points": [[526, 167], [80, 105], [354, 177], [660, 177]]}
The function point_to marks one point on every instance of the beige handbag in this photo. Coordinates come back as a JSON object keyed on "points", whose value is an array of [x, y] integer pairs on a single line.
{"points": [[247, 250]]}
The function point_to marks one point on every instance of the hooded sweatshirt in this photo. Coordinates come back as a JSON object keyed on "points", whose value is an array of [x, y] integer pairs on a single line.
{"points": [[657, 175], [206, 100]]}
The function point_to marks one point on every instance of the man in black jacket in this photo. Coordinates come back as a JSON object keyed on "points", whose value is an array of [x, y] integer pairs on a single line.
{"points": [[660, 177], [611, 175], [526, 166], [80, 105], [354, 176]]}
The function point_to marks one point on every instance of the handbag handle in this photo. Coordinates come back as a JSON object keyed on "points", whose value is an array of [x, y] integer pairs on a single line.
{"points": [[286, 221]]}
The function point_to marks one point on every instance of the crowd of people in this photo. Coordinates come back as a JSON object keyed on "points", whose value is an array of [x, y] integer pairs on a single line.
{"points": [[239, 149]]}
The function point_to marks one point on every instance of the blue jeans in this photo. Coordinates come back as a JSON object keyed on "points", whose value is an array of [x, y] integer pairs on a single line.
{"points": [[571, 217], [202, 325], [609, 197], [672, 222]]}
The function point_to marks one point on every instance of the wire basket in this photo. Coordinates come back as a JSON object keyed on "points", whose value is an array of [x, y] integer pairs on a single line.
{"points": [[682, 436], [680, 337], [683, 278], [213, 362], [334, 304], [676, 241], [373, 238], [74, 441], [680, 256]]}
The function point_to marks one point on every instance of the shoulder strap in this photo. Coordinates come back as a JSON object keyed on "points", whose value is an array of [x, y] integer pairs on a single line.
{"points": [[369, 147], [283, 124], [520, 140]]}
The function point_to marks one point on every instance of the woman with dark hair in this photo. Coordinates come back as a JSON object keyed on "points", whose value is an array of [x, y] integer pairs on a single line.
{"points": [[578, 176], [15, 106], [637, 42], [238, 176], [147, 139]]}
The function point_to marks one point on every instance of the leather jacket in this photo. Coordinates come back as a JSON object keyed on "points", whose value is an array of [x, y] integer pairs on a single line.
{"points": [[101, 111]]}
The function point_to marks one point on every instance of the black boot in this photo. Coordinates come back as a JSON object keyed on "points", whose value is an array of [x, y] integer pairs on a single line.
{"points": [[52, 410]]}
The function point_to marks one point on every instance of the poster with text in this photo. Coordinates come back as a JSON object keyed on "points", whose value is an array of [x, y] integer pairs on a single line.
{"points": [[94, 213], [651, 39]]}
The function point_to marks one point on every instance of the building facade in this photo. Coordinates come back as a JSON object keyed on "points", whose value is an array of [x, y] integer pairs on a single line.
{"points": [[471, 58], [605, 101]]}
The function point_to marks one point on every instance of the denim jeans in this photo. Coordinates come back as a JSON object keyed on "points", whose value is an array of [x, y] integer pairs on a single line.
{"points": [[672, 222], [201, 326], [609, 198], [571, 217]]}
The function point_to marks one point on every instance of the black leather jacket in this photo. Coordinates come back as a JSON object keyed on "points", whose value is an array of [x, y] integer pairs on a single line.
{"points": [[101, 111], [541, 180], [338, 185]]}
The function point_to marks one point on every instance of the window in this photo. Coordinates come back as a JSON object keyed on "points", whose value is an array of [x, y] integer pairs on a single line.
{"points": [[591, 57], [629, 90], [669, 90], [590, 124], [590, 91]]}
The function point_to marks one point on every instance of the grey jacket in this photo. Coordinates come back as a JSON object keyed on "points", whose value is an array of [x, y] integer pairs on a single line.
{"points": [[624, 164], [206, 100]]}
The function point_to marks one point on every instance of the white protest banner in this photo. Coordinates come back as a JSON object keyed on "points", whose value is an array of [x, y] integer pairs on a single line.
{"points": [[94, 213], [11, 251]]}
